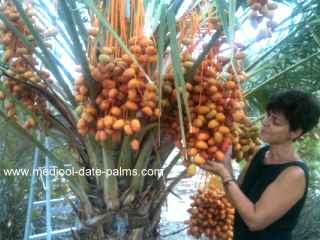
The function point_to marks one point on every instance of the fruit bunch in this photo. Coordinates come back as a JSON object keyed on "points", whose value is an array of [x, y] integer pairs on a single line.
{"points": [[247, 142], [22, 64], [215, 99], [259, 10], [216, 104], [189, 25], [125, 99], [211, 215]]}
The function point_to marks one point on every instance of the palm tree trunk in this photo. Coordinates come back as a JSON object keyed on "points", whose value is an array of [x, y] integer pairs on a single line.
{"points": [[137, 220], [129, 225]]}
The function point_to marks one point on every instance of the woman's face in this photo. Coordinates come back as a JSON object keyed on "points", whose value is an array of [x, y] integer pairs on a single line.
{"points": [[275, 128]]}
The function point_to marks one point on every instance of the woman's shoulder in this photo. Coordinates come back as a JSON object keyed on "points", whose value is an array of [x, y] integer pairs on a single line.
{"points": [[298, 166], [296, 172]]}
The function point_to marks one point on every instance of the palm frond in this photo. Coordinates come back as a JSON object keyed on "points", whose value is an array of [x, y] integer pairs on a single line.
{"points": [[66, 14], [178, 79]]}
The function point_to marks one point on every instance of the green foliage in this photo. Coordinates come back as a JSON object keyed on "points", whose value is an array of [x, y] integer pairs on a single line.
{"points": [[291, 61], [14, 152], [308, 225], [309, 150]]}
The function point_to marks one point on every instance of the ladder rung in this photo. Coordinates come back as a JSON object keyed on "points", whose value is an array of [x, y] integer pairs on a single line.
{"points": [[52, 200], [56, 232]]}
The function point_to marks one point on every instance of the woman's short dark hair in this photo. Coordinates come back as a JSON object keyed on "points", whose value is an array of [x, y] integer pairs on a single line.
{"points": [[300, 109]]}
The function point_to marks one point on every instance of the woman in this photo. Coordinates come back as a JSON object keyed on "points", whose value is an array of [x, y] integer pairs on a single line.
{"points": [[272, 188]]}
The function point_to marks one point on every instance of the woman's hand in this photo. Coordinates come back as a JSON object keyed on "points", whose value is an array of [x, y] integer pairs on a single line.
{"points": [[216, 168], [222, 168]]}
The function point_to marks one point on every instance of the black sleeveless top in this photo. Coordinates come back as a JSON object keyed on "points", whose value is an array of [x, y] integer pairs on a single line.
{"points": [[258, 176]]}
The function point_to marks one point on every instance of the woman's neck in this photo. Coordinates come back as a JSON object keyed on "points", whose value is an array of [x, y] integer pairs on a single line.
{"points": [[281, 153]]}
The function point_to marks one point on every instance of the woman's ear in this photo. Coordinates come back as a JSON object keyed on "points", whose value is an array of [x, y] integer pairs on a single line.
{"points": [[296, 134]]}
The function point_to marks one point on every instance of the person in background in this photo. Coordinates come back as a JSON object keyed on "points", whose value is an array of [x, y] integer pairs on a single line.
{"points": [[272, 188]]}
